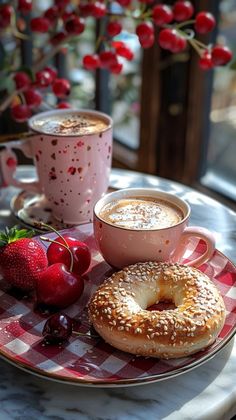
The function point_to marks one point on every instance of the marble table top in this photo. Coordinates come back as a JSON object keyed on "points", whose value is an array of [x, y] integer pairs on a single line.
{"points": [[206, 392]]}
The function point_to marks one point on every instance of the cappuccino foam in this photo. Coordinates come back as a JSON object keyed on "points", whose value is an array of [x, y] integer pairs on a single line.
{"points": [[70, 124], [141, 213]]}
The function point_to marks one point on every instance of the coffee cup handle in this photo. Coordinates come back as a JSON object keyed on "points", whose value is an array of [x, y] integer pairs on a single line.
{"points": [[200, 233], [9, 162]]}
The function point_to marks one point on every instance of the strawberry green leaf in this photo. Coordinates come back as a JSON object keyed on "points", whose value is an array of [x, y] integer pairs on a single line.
{"points": [[14, 234]]}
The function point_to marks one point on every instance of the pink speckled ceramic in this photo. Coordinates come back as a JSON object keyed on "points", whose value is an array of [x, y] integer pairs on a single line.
{"points": [[73, 171], [120, 246]]}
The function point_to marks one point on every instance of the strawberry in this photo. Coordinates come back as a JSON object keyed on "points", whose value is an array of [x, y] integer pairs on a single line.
{"points": [[21, 258]]}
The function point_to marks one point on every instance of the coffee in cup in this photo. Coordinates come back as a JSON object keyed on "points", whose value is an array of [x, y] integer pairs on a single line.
{"points": [[144, 224], [70, 124], [141, 213]]}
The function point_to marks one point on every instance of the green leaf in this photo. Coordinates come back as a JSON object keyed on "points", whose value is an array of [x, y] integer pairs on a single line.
{"points": [[6, 83], [14, 234]]}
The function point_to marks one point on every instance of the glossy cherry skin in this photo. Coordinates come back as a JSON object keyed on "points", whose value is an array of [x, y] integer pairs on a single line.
{"points": [[81, 254], [40, 24], [58, 328], [21, 112], [57, 287], [22, 80], [61, 88], [162, 14], [183, 10], [204, 23], [114, 28], [205, 62], [221, 55], [91, 61]]}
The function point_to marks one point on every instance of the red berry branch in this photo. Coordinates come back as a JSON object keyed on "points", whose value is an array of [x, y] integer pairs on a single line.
{"points": [[174, 28]]}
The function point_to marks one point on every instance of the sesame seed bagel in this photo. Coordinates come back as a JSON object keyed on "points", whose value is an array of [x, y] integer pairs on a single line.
{"points": [[118, 310]]}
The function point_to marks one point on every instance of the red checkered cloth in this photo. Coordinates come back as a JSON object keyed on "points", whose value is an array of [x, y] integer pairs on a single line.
{"points": [[90, 361]]}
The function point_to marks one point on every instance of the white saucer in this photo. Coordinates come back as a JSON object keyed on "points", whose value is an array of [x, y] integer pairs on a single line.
{"points": [[31, 209]]}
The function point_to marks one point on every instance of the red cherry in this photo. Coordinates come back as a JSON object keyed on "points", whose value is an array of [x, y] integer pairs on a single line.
{"points": [[61, 4], [40, 24], [124, 3], [80, 251], [25, 6], [91, 61], [22, 80], [221, 55], [99, 9], [162, 14], [147, 42], [58, 328], [116, 68], [125, 52], [75, 25], [183, 10], [86, 9], [66, 15], [179, 45], [58, 38], [51, 71], [107, 58], [114, 28], [64, 105], [144, 30], [204, 23], [21, 112], [205, 62], [51, 14], [168, 38], [33, 97], [6, 12], [61, 88], [43, 78], [57, 287]]}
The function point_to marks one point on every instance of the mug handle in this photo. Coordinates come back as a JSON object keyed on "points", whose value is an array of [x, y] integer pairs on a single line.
{"points": [[200, 233], [9, 162]]}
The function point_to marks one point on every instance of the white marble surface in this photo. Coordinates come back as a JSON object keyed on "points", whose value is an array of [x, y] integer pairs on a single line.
{"points": [[205, 393]]}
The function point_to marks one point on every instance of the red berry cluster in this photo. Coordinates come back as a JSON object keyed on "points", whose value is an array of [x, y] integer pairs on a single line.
{"points": [[31, 91], [172, 27]]}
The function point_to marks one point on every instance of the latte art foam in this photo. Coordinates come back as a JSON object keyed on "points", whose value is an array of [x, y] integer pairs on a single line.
{"points": [[141, 213], [70, 124]]}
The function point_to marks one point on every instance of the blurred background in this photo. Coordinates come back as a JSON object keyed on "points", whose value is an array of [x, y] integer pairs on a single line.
{"points": [[171, 119]]}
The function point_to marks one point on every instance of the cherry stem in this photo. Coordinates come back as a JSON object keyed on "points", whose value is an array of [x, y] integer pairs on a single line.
{"points": [[195, 46], [55, 231], [200, 43], [85, 334], [187, 22], [63, 239], [43, 238]]}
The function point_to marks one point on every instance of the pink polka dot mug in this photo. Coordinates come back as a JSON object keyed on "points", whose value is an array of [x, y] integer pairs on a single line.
{"points": [[72, 151], [144, 224]]}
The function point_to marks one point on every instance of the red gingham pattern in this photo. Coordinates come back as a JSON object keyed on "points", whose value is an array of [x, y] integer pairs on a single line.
{"points": [[90, 361]]}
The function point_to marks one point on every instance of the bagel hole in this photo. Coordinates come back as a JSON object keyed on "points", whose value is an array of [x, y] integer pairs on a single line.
{"points": [[162, 305]]}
